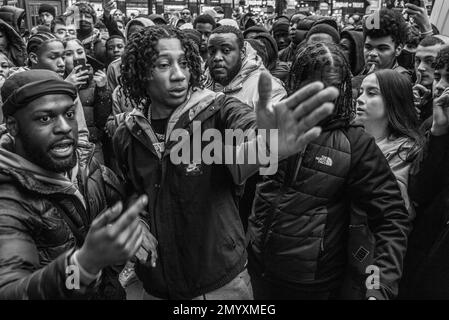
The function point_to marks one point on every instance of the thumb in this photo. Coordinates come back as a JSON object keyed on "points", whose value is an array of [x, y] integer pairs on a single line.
{"points": [[264, 88]]}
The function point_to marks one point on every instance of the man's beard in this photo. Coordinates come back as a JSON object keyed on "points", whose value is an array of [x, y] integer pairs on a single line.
{"points": [[40, 157], [231, 73]]}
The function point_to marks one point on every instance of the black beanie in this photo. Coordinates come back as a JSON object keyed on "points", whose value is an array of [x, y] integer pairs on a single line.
{"points": [[325, 28], [257, 29], [281, 25], [47, 8]]}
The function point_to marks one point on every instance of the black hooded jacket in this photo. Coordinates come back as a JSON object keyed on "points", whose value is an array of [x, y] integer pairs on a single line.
{"points": [[357, 59]]}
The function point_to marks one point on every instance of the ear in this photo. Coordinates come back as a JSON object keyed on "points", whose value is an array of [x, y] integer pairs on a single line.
{"points": [[398, 50], [243, 52], [12, 125], [33, 58]]}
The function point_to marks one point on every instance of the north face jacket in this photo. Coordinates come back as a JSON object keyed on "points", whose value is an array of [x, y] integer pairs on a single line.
{"points": [[299, 227], [36, 242], [193, 208]]}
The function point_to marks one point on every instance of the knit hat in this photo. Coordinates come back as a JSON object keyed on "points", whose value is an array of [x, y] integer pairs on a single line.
{"points": [[280, 26], [325, 28], [47, 8], [256, 29], [269, 39], [20, 89]]}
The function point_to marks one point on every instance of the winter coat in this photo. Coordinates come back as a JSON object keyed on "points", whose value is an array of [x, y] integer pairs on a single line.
{"points": [[427, 262], [244, 86], [36, 241], [301, 216], [193, 207], [16, 51]]}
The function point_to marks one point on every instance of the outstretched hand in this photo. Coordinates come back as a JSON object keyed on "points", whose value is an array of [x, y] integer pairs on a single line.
{"points": [[295, 117]]}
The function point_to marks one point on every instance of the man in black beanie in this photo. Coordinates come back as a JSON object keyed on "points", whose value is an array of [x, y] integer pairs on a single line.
{"points": [[280, 33], [47, 14]]}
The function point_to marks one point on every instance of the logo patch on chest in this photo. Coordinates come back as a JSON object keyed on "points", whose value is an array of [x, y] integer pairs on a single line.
{"points": [[324, 160]]}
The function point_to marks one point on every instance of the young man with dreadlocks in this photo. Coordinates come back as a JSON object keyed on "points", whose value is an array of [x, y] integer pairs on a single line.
{"points": [[193, 207], [298, 230]]}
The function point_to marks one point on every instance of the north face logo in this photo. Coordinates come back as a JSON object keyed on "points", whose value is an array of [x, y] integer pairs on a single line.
{"points": [[324, 161]]}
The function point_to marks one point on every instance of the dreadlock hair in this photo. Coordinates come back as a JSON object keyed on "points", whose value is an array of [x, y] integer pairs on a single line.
{"points": [[324, 62], [36, 42], [141, 54]]}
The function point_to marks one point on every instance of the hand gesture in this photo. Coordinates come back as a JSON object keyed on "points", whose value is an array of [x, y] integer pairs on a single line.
{"points": [[108, 6], [419, 15], [421, 95], [440, 124], [100, 79], [78, 77], [113, 238], [297, 116]]}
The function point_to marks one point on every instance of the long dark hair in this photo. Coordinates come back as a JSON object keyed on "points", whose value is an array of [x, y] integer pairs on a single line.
{"points": [[324, 62], [397, 93]]}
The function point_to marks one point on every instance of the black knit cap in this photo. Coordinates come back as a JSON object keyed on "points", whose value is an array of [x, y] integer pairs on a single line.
{"points": [[22, 88], [47, 8]]}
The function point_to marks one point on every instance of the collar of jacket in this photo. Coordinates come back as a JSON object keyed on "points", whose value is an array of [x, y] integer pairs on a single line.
{"points": [[37, 179], [197, 101], [251, 63]]}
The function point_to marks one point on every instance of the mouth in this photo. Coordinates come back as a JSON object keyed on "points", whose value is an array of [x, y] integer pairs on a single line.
{"points": [[60, 72], [62, 149], [178, 92]]}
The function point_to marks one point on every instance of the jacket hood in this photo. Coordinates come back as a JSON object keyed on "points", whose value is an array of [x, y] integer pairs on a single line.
{"points": [[357, 59], [146, 22], [251, 63], [13, 16], [17, 47], [15, 169]]}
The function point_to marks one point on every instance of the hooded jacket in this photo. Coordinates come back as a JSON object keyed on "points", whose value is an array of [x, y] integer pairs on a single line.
{"points": [[36, 242], [244, 86], [13, 16], [357, 58], [194, 207], [16, 51]]}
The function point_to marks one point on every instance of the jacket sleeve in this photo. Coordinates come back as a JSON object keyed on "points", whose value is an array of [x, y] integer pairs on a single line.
{"points": [[431, 174], [83, 132], [103, 106], [374, 193], [21, 276], [111, 25]]}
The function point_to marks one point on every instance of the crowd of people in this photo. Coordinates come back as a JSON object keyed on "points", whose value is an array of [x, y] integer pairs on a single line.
{"points": [[358, 207]]}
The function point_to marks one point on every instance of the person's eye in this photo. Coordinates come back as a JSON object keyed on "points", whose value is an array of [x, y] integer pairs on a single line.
{"points": [[45, 119], [183, 64], [163, 65], [226, 50], [70, 114]]}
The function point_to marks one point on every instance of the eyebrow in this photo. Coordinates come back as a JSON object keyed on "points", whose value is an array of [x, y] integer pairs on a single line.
{"points": [[51, 110]]}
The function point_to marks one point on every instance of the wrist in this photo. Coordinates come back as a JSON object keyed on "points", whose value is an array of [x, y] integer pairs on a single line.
{"points": [[85, 263]]}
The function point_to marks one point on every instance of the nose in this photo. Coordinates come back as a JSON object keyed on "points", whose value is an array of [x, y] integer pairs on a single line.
{"points": [[60, 62], [177, 74], [373, 53], [421, 67], [62, 126], [360, 100], [218, 56]]}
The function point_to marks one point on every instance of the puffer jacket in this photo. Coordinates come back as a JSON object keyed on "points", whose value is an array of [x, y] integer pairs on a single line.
{"points": [[193, 207], [299, 227], [36, 242], [244, 86]]}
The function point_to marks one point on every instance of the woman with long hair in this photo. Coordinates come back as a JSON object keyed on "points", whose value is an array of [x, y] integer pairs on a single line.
{"points": [[385, 107], [302, 215]]}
